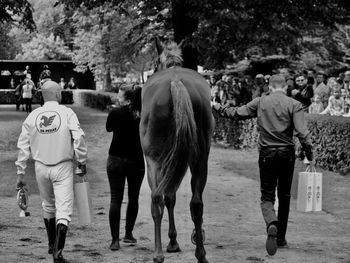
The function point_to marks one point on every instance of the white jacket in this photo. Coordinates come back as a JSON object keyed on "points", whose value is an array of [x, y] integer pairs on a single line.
{"points": [[51, 134]]}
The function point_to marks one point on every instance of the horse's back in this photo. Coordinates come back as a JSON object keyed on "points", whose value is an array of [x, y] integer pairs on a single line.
{"points": [[157, 107], [156, 90]]}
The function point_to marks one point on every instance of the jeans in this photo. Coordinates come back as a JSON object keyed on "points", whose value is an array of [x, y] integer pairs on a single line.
{"points": [[119, 170], [276, 170]]}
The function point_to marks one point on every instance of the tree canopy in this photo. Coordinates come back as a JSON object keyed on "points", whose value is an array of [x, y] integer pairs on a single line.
{"points": [[19, 11], [226, 31]]}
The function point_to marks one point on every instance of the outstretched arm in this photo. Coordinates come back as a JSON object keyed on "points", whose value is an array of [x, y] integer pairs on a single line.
{"points": [[244, 112]]}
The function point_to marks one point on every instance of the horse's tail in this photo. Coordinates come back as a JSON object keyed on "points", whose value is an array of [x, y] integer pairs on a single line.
{"points": [[183, 141]]}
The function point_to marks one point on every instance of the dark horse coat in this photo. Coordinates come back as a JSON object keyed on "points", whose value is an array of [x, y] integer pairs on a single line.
{"points": [[175, 131]]}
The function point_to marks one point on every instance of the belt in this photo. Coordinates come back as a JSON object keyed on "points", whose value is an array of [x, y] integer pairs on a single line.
{"points": [[276, 148]]}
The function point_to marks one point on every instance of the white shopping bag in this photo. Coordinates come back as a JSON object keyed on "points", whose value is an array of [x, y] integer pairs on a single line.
{"points": [[309, 191], [83, 201], [317, 197]]}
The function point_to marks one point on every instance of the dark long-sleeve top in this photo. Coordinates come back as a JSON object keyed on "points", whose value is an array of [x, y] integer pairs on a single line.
{"points": [[278, 116], [305, 95], [126, 139]]}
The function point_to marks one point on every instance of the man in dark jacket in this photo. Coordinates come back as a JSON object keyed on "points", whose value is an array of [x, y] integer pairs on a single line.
{"points": [[278, 116], [303, 92]]}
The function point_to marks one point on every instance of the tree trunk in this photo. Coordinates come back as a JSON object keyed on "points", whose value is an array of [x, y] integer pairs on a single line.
{"points": [[108, 79], [184, 25]]}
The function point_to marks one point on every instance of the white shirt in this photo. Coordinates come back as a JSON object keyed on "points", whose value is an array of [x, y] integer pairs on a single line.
{"points": [[27, 91], [51, 134]]}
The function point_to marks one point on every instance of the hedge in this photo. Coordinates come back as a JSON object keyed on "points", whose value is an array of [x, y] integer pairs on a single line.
{"points": [[98, 100], [330, 136], [7, 96]]}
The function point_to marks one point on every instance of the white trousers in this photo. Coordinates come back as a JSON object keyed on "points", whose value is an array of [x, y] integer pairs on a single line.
{"points": [[56, 190]]}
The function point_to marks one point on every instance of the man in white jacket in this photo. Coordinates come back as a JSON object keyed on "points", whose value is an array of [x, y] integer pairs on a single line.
{"points": [[51, 134]]}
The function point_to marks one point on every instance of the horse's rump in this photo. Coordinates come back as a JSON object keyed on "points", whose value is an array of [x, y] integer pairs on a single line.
{"points": [[176, 103]]}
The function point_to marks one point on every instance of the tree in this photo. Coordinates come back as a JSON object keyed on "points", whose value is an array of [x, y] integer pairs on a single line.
{"points": [[44, 48], [19, 11], [224, 31], [6, 43]]}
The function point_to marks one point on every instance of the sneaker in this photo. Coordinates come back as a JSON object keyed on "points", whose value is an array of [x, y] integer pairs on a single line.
{"points": [[129, 239], [114, 245], [271, 241], [282, 243]]}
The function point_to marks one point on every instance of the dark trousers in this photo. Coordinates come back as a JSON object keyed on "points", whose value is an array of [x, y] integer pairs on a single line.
{"points": [[276, 170], [18, 99], [119, 170], [28, 103]]}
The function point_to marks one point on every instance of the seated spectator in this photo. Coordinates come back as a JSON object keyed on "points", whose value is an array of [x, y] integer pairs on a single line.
{"points": [[335, 103], [332, 81], [290, 85], [303, 92], [347, 104], [260, 87], [322, 90], [316, 106]]}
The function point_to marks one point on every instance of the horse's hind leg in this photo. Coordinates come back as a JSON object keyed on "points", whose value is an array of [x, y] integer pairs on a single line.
{"points": [[199, 170], [157, 209], [157, 214], [170, 201]]}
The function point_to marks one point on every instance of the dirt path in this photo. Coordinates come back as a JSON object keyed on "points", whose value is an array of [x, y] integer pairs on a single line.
{"points": [[232, 218]]}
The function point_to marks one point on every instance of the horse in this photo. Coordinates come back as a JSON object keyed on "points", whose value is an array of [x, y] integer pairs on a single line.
{"points": [[176, 127]]}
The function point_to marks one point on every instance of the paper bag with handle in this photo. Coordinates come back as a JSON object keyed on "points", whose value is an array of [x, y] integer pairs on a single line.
{"points": [[83, 201], [309, 191]]}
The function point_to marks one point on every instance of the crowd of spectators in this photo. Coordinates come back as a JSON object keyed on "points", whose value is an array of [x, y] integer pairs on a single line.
{"points": [[318, 93]]}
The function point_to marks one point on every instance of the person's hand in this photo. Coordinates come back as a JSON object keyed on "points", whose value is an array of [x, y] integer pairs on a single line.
{"points": [[20, 181], [81, 169], [294, 92], [215, 105], [311, 164]]}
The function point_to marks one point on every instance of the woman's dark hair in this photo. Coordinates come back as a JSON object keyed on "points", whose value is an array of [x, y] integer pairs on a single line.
{"points": [[136, 103], [134, 95]]}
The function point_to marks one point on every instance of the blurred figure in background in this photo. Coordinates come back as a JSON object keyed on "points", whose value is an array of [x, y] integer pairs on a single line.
{"points": [[335, 104], [316, 106], [27, 95], [72, 84], [62, 84], [322, 90]]}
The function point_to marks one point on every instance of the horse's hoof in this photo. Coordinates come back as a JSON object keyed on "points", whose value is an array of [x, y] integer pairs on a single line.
{"points": [[158, 259], [173, 248], [203, 261], [193, 236]]}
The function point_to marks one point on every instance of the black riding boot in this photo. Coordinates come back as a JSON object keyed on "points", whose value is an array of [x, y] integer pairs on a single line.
{"points": [[59, 243], [50, 225]]}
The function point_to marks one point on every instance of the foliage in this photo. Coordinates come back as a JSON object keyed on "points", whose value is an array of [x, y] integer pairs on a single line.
{"points": [[49, 19], [6, 43], [330, 138], [19, 12], [44, 48], [227, 31], [97, 100]]}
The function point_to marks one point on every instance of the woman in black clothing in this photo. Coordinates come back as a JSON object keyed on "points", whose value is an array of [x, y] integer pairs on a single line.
{"points": [[125, 161]]}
